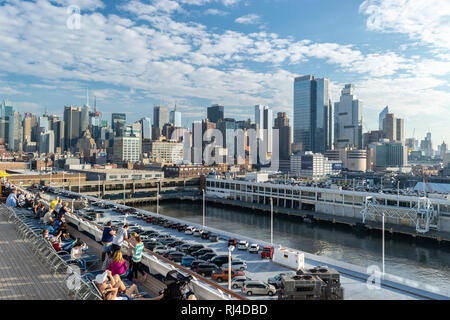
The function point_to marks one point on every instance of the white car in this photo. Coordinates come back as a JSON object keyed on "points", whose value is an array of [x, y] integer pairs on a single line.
{"points": [[237, 265], [189, 230], [160, 249], [254, 248], [242, 245], [197, 232]]}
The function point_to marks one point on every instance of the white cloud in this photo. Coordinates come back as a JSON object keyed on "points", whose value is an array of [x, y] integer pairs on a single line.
{"points": [[424, 20], [215, 12], [248, 19]]}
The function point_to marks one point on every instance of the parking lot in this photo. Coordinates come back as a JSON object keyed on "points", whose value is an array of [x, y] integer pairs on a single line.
{"points": [[257, 268]]}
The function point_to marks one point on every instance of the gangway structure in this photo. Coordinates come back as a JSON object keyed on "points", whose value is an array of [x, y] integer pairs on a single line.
{"points": [[422, 214]]}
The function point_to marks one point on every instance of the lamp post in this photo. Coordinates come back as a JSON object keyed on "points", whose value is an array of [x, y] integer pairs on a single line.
{"points": [[271, 221], [230, 249], [382, 244], [99, 192], [124, 192], [203, 208], [157, 199]]}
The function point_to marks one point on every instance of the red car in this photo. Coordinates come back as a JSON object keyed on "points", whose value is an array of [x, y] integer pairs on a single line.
{"points": [[222, 274], [149, 219], [267, 252], [232, 242]]}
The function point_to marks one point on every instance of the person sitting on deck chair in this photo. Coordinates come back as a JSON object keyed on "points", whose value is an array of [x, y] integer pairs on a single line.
{"points": [[54, 203], [118, 264], [59, 205], [76, 253], [116, 289], [63, 210], [48, 217], [11, 201]]}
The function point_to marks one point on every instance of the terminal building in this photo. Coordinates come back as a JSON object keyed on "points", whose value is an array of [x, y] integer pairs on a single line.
{"points": [[314, 166]]}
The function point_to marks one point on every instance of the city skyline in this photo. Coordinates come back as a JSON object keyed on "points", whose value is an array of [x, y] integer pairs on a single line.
{"points": [[246, 58]]}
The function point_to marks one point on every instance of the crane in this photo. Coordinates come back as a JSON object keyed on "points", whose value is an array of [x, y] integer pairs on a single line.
{"points": [[425, 182]]}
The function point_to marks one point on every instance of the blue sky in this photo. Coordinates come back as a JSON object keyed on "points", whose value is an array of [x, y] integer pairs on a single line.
{"points": [[134, 54]]}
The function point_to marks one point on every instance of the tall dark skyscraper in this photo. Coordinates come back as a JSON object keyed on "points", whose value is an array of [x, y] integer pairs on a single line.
{"points": [[282, 124], [215, 113], [117, 117], [72, 119], [312, 114]]}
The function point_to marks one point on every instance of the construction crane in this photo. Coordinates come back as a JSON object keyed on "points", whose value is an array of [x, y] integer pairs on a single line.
{"points": [[425, 182]]}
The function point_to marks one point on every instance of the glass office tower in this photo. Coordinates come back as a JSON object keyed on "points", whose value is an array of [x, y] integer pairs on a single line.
{"points": [[312, 114]]}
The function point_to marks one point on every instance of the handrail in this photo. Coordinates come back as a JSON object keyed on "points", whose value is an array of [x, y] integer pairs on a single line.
{"points": [[195, 275]]}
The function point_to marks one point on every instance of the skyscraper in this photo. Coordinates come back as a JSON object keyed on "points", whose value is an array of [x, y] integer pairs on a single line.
{"points": [[15, 132], [146, 126], [215, 113], [393, 128], [382, 116], [6, 111], [312, 114], [72, 117], [348, 120], [160, 117], [264, 125], [175, 117], [284, 140], [117, 118]]}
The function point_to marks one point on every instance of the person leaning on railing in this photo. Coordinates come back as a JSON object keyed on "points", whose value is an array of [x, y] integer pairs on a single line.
{"points": [[107, 239], [136, 265]]}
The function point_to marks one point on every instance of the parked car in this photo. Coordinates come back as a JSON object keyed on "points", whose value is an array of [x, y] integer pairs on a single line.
{"points": [[187, 260], [254, 248], [267, 252], [174, 225], [222, 274], [168, 241], [207, 256], [196, 262], [237, 265], [232, 242], [160, 249], [152, 244], [168, 224], [194, 247], [214, 238], [197, 232], [220, 260], [206, 269], [176, 243], [258, 288], [184, 247], [206, 235], [176, 256], [238, 281], [242, 245], [202, 251], [189, 230], [182, 227], [276, 280]]}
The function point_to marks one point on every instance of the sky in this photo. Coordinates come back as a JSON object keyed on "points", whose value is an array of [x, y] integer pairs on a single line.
{"points": [[133, 54]]}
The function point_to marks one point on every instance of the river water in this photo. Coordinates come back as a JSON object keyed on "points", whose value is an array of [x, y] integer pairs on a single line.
{"points": [[426, 262]]}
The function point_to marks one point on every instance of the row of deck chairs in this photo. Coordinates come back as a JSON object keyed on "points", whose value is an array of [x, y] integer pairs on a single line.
{"points": [[30, 229]]}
